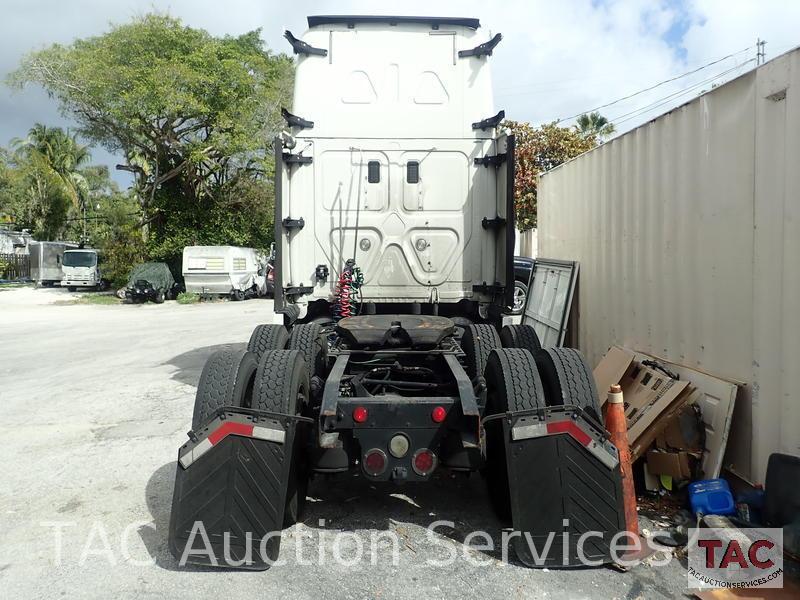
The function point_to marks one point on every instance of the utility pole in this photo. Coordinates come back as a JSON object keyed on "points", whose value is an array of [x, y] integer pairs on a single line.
{"points": [[761, 55]]}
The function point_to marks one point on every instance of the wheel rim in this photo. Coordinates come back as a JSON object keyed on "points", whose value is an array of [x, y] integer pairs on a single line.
{"points": [[519, 298]]}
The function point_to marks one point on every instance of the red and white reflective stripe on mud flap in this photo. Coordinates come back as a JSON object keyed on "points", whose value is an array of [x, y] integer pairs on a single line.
{"points": [[230, 428], [570, 427], [605, 452]]}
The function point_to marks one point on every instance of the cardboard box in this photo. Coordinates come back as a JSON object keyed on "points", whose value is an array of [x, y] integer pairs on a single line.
{"points": [[684, 431], [648, 393], [651, 396], [656, 428], [612, 370], [677, 465]]}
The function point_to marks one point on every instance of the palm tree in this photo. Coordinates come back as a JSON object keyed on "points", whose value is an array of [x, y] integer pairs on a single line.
{"points": [[52, 159], [594, 124], [61, 153]]}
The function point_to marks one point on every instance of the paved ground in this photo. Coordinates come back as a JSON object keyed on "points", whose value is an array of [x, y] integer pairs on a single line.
{"points": [[95, 402]]}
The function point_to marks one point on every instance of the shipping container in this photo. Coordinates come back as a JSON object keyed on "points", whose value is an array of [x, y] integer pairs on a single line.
{"points": [[687, 230]]}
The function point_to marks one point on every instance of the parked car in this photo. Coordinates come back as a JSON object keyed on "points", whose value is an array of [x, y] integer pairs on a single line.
{"points": [[523, 269], [151, 281]]}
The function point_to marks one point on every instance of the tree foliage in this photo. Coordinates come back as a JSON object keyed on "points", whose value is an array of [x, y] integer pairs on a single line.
{"points": [[594, 124], [43, 180], [192, 114], [539, 149]]}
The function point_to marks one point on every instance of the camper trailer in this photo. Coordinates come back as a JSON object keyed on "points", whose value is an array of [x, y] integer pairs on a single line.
{"points": [[46, 260], [223, 271]]}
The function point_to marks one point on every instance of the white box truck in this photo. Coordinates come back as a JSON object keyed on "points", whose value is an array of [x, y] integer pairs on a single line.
{"points": [[81, 269], [46, 260], [224, 270], [394, 267]]}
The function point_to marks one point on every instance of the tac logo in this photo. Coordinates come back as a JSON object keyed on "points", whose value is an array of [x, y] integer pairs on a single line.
{"points": [[735, 558]]}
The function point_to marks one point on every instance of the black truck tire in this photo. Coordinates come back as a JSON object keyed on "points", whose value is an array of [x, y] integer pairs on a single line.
{"points": [[513, 384], [520, 336], [267, 337], [226, 380], [567, 379], [282, 386], [478, 342], [307, 339], [159, 297]]}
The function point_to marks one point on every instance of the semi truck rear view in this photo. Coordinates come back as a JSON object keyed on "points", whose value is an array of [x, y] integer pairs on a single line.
{"points": [[394, 233]]}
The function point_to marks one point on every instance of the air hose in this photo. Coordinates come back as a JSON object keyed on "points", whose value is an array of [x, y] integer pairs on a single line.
{"points": [[348, 291]]}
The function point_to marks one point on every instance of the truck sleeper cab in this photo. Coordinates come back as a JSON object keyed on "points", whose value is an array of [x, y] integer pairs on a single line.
{"points": [[399, 166], [394, 267]]}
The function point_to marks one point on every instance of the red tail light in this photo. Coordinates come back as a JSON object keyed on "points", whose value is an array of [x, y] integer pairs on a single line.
{"points": [[423, 462], [438, 414], [360, 414], [375, 462]]}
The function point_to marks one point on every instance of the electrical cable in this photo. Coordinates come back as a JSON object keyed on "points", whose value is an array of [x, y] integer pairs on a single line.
{"points": [[666, 99], [652, 87], [519, 88]]}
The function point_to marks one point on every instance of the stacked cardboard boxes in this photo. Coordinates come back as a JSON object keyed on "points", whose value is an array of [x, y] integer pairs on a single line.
{"points": [[663, 424]]}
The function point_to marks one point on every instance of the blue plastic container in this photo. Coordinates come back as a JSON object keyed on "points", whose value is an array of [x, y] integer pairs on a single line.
{"points": [[711, 497]]}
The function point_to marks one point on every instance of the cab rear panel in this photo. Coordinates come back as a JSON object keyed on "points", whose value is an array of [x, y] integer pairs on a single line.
{"points": [[392, 174]]}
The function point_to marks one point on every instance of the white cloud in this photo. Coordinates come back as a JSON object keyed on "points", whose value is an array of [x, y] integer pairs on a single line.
{"points": [[556, 58]]}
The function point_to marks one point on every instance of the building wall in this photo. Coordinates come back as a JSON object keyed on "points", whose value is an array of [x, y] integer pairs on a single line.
{"points": [[688, 234]]}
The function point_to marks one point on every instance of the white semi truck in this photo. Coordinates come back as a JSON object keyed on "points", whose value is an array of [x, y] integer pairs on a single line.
{"points": [[394, 267]]}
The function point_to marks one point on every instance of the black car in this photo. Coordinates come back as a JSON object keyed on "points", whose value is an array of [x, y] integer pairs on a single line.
{"points": [[151, 282], [523, 270]]}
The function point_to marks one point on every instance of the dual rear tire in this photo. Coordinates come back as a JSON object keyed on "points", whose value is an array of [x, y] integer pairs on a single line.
{"points": [[523, 376]]}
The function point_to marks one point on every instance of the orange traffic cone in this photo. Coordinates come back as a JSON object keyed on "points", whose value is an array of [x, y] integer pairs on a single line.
{"points": [[618, 428]]}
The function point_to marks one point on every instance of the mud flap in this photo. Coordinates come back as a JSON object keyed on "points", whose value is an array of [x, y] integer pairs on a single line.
{"points": [[230, 491], [565, 488]]}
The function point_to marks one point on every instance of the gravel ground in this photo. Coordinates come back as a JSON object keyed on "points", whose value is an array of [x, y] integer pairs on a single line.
{"points": [[97, 399]]}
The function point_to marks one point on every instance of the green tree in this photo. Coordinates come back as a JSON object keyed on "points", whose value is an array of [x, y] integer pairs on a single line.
{"points": [[539, 149], [46, 181], [594, 124], [61, 153], [189, 111]]}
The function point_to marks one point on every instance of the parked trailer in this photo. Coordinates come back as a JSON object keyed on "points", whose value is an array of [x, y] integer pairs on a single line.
{"points": [[394, 269], [224, 270], [688, 234], [46, 260]]}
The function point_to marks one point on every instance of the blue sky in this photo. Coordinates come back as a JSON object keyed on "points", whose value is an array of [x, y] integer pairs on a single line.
{"points": [[556, 59]]}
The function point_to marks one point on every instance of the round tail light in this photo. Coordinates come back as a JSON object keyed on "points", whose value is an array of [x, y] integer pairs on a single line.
{"points": [[438, 414], [399, 446], [360, 414], [374, 462], [423, 462]]}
